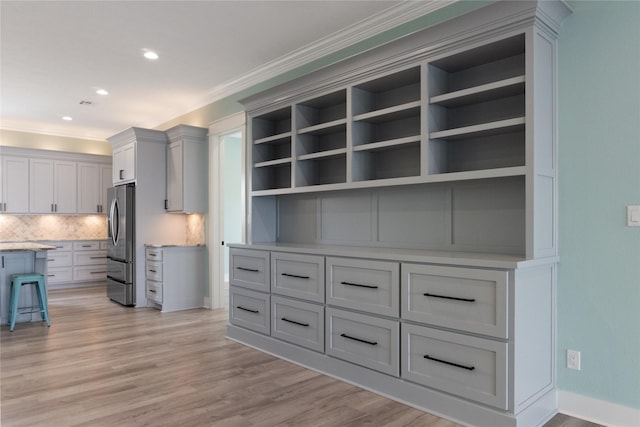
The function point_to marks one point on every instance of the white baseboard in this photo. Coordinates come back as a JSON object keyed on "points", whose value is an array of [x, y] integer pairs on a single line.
{"points": [[597, 411]]}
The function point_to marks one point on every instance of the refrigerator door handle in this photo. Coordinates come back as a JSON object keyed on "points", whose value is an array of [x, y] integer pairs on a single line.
{"points": [[114, 221]]}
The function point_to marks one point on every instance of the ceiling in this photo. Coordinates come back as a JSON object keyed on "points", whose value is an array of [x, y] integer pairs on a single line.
{"points": [[56, 54]]}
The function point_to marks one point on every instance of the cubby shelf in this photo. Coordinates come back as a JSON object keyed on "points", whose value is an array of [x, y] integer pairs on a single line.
{"points": [[274, 139], [483, 129], [486, 92], [387, 144], [324, 128], [272, 162], [323, 154], [391, 113]]}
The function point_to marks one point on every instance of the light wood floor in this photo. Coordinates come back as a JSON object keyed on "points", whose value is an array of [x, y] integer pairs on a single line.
{"points": [[101, 364]]}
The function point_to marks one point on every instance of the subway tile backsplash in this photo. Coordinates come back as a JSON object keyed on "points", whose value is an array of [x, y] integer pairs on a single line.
{"points": [[76, 227]]}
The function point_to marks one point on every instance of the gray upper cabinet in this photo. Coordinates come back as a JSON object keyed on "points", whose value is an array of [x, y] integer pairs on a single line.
{"points": [[14, 184], [187, 169]]}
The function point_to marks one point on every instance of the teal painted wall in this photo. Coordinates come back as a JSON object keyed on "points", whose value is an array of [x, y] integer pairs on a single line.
{"points": [[599, 175]]}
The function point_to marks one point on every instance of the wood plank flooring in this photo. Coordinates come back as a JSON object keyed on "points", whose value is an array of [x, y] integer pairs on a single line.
{"points": [[101, 364]]}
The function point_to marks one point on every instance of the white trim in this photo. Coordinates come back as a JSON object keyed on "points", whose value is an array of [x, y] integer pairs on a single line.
{"points": [[597, 411], [217, 130]]}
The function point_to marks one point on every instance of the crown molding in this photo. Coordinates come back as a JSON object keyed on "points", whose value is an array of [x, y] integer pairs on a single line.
{"points": [[393, 17]]}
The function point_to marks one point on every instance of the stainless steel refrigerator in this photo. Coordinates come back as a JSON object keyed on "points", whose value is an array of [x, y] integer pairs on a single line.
{"points": [[121, 286]]}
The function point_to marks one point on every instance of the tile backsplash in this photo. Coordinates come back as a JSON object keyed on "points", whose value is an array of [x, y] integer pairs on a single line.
{"points": [[52, 227], [76, 227]]}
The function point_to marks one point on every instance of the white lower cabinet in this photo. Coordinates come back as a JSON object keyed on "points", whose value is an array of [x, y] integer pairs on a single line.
{"points": [[176, 277], [472, 338], [76, 262]]}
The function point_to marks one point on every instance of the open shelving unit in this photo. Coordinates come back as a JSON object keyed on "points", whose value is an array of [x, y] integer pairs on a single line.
{"points": [[431, 162]]}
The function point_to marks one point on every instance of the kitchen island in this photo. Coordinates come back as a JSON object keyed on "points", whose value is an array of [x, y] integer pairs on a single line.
{"points": [[18, 258]]}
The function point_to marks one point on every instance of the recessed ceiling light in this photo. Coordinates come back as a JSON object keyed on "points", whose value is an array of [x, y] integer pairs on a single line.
{"points": [[67, 118], [149, 54], [102, 92]]}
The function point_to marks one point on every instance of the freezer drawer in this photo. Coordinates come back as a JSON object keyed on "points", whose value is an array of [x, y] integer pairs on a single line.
{"points": [[122, 293]]}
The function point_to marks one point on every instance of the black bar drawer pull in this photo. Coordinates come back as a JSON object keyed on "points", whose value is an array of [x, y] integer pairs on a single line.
{"points": [[294, 322], [447, 297], [359, 339], [97, 272], [152, 291], [468, 368], [247, 309], [295, 276], [153, 271], [253, 270], [359, 285]]}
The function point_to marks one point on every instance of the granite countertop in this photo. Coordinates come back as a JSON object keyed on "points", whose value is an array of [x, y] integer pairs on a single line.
{"points": [[152, 245], [24, 246]]}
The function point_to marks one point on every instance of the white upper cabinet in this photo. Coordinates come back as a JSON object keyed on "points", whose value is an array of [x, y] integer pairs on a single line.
{"points": [[124, 163], [187, 169], [14, 185], [52, 186], [93, 181]]}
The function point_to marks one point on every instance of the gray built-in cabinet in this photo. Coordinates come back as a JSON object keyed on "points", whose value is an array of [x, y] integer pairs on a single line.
{"points": [[402, 218]]}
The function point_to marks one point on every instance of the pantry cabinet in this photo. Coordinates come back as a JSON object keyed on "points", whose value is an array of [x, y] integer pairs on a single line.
{"points": [[187, 169], [422, 175], [124, 163], [14, 184]]}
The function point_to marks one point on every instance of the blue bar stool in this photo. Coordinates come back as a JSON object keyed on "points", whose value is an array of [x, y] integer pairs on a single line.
{"points": [[19, 280]]}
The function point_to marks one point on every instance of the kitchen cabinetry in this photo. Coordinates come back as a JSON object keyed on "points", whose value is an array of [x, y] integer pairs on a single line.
{"points": [[51, 186], [176, 277], [187, 169], [93, 182], [76, 262], [14, 184], [124, 163], [423, 172], [43, 181]]}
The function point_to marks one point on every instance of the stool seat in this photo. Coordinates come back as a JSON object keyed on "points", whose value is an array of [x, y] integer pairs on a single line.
{"points": [[17, 282]]}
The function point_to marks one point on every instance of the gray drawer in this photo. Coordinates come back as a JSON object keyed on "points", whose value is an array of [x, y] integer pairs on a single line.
{"points": [[86, 246], [64, 245], [249, 269], [364, 285], [89, 258], [154, 291], [154, 254], [154, 270], [468, 299], [89, 272], [364, 340], [298, 322], [59, 259], [299, 276], [249, 309], [470, 367], [59, 274]]}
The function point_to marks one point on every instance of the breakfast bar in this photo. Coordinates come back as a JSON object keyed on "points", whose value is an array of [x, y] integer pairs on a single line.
{"points": [[19, 258]]}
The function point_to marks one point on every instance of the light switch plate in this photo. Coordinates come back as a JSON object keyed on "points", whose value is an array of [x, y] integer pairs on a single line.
{"points": [[633, 216]]}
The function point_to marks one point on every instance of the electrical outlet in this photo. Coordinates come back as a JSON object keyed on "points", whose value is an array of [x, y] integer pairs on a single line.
{"points": [[573, 359]]}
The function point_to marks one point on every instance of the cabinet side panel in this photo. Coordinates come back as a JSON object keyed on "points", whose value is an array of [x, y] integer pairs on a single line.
{"points": [[534, 325]]}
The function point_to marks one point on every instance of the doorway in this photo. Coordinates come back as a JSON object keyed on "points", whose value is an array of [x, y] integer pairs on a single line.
{"points": [[227, 202]]}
